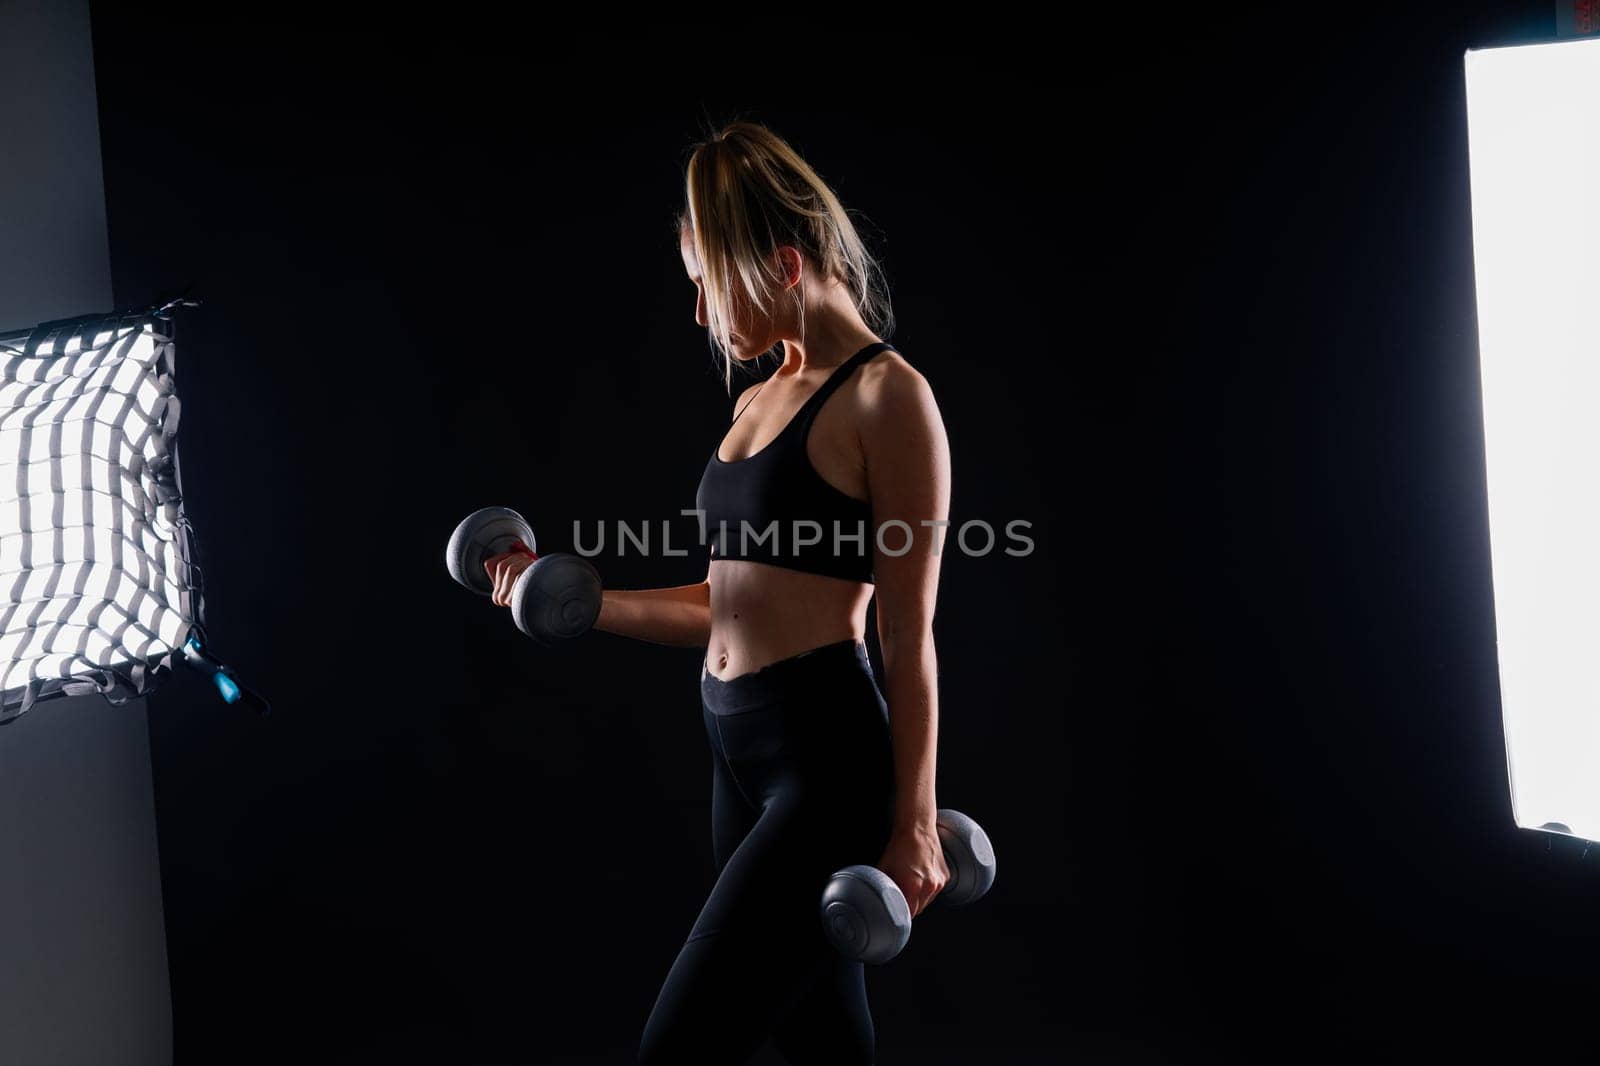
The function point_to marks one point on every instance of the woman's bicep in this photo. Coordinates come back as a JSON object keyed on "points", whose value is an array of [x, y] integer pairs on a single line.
{"points": [[907, 458]]}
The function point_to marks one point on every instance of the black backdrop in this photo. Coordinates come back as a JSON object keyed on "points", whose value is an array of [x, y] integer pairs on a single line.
{"points": [[1196, 301]]}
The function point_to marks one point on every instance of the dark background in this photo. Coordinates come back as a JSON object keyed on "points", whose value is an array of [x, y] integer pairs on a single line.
{"points": [[1195, 299]]}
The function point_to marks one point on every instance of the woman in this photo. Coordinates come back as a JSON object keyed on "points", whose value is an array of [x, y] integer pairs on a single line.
{"points": [[815, 767]]}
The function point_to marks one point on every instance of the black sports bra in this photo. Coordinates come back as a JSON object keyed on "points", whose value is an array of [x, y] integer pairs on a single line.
{"points": [[774, 507]]}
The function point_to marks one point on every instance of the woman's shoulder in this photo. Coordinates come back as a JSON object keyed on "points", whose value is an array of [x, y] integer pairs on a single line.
{"points": [[890, 381], [898, 423]]}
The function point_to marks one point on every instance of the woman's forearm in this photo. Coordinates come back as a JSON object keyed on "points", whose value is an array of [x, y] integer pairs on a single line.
{"points": [[680, 616], [911, 687]]}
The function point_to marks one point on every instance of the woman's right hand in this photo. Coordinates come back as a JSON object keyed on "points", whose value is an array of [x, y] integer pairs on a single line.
{"points": [[504, 569]]}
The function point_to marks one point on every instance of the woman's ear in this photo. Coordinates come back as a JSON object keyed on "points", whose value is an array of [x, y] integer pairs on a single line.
{"points": [[790, 264]]}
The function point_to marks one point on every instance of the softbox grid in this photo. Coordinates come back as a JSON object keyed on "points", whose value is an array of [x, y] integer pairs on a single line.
{"points": [[96, 554]]}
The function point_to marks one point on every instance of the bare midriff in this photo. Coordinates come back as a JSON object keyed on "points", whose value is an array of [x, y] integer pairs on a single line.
{"points": [[761, 613]]}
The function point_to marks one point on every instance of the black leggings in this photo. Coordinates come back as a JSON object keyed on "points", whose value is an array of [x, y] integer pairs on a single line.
{"points": [[801, 784]]}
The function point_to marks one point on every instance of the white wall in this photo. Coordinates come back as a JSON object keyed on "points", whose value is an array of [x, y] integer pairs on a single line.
{"points": [[83, 958]]}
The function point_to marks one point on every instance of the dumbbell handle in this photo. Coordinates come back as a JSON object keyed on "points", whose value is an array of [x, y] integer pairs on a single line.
{"points": [[522, 549], [949, 865], [951, 822]]}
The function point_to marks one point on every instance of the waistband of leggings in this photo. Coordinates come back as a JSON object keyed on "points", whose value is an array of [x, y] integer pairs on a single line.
{"points": [[780, 678]]}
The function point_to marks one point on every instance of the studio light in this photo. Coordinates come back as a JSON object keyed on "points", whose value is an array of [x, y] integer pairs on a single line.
{"points": [[96, 556], [1534, 146]]}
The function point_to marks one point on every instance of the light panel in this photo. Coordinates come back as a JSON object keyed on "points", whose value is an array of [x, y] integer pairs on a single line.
{"points": [[95, 551], [1534, 144]]}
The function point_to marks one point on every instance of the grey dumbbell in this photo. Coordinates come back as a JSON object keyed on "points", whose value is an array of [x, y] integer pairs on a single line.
{"points": [[555, 599], [481, 536], [864, 913]]}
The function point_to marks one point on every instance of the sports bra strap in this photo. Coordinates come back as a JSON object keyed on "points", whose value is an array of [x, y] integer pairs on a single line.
{"points": [[803, 416], [840, 374]]}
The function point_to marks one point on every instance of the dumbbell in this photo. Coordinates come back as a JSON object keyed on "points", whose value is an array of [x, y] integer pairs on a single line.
{"points": [[556, 598], [864, 913]]}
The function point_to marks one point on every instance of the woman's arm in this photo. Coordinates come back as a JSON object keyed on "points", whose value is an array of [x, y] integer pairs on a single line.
{"points": [[679, 616], [908, 475]]}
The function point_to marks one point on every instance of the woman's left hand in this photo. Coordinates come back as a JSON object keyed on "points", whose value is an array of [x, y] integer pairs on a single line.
{"points": [[915, 861]]}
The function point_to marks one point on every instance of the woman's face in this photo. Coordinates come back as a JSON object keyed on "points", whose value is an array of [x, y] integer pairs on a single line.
{"points": [[752, 335]]}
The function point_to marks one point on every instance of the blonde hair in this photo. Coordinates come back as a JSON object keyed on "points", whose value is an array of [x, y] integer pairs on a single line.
{"points": [[747, 193]]}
